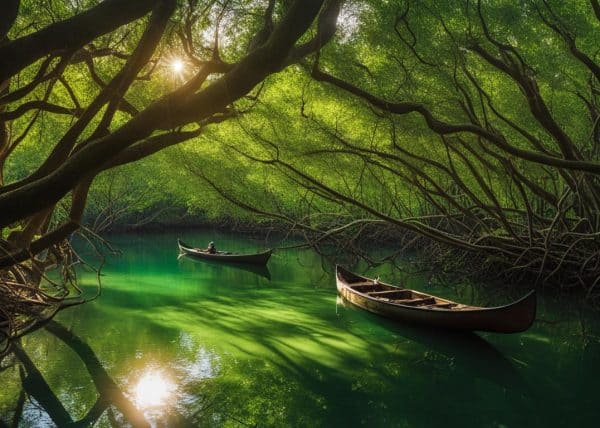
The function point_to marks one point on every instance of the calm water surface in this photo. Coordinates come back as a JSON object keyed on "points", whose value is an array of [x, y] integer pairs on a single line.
{"points": [[187, 343]]}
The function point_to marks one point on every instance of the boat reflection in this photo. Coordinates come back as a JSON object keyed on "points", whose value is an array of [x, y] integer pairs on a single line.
{"points": [[464, 348], [213, 265]]}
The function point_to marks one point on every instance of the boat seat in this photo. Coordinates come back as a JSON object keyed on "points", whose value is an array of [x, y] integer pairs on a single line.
{"points": [[392, 294], [371, 288], [416, 302], [352, 284]]}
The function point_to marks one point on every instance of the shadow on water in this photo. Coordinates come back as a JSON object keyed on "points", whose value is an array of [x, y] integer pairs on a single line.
{"points": [[471, 353], [280, 354], [467, 349], [340, 389], [216, 267], [396, 366]]}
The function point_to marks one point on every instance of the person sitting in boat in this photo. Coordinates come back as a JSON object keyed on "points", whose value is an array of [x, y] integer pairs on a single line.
{"points": [[211, 248]]}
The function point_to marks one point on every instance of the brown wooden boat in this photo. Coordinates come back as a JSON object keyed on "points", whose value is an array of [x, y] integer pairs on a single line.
{"points": [[224, 256], [419, 308]]}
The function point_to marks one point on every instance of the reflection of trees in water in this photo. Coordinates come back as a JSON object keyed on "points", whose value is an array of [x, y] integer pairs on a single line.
{"points": [[287, 380], [291, 385], [110, 397], [303, 367]]}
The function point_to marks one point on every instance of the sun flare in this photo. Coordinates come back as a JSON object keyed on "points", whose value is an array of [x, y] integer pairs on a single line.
{"points": [[177, 65], [153, 389]]}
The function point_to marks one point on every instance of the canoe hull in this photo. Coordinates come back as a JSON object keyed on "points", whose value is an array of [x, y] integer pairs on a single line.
{"points": [[255, 259], [512, 318]]}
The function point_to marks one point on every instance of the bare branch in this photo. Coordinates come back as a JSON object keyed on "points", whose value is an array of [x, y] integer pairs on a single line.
{"points": [[38, 105], [444, 128]]}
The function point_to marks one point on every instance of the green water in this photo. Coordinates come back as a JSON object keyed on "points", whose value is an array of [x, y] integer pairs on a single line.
{"points": [[186, 343]]}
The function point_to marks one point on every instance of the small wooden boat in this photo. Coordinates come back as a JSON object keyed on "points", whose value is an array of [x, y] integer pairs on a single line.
{"points": [[419, 308], [223, 256]]}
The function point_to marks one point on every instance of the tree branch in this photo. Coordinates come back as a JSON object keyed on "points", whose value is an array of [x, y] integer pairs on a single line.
{"points": [[38, 105], [444, 128], [70, 34], [178, 108]]}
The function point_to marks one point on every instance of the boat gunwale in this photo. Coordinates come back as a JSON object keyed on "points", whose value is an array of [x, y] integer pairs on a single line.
{"points": [[467, 308]]}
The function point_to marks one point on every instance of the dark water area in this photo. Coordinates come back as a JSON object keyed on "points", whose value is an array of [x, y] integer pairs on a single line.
{"points": [[179, 342]]}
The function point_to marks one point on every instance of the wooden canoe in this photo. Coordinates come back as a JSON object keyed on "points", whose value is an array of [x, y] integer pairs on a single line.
{"points": [[419, 308], [222, 256]]}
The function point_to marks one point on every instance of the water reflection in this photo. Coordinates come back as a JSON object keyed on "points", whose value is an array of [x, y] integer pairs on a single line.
{"points": [[219, 267], [46, 408], [231, 349], [151, 399], [154, 389], [456, 347]]}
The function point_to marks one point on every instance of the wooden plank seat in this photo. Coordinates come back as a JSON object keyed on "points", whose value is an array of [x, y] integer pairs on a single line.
{"points": [[370, 288], [416, 302], [392, 294]]}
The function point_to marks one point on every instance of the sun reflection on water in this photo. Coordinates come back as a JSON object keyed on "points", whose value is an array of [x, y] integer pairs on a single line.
{"points": [[154, 389]]}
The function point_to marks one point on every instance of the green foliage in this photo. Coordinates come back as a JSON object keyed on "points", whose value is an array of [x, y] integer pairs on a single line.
{"points": [[309, 152]]}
